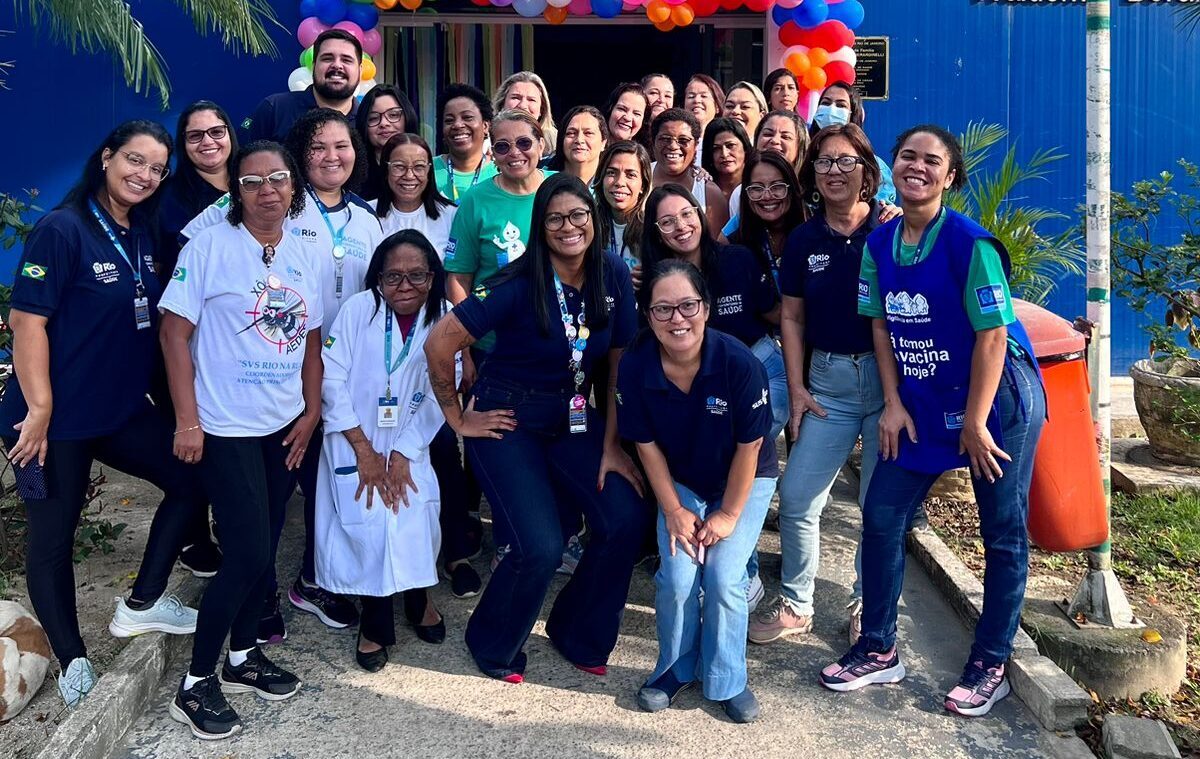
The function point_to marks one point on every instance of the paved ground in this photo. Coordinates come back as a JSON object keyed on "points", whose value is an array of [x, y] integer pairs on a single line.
{"points": [[431, 702]]}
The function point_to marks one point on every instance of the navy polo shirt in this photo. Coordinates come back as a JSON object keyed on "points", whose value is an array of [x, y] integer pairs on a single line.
{"points": [[275, 115], [742, 291], [523, 352], [698, 431], [821, 266], [100, 362], [181, 200]]}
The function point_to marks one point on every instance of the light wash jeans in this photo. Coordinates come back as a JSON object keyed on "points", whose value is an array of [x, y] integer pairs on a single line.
{"points": [[714, 651], [770, 355], [849, 389]]}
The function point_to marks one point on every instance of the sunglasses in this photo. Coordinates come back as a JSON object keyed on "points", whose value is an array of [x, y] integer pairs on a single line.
{"points": [[502, 147]]}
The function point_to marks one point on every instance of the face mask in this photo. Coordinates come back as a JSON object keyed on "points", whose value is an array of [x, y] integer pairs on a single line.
{"points": [[828, 115]]}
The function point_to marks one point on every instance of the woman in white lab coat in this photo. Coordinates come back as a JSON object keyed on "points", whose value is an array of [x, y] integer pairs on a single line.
{"points": [[377, 497]]}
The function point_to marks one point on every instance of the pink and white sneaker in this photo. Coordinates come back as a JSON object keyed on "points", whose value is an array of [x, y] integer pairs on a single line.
{"points": [[978, 690], [859, 668]]}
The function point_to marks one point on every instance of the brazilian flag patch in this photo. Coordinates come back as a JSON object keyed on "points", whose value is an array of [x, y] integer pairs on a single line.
{"points": [[481, 292], [34, 271], [329, 341], [180, 274], [246, 123]]}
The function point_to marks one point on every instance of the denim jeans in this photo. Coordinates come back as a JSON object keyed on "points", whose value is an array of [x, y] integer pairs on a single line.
{"points": [[770, 355], [713, 650], [849, 389], [530, 477], [1003, 505]]}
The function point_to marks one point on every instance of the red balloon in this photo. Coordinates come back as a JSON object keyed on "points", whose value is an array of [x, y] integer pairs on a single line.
{"points": [[839, 71], [758, 6], [705, 7], [789, 33], [831, 35], [730, 5]]}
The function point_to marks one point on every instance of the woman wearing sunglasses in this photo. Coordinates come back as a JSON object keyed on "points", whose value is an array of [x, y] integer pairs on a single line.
{"points": [[384, 112], [241, 334]]}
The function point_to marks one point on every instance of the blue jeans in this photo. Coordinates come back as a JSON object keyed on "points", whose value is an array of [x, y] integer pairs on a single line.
{"points": [[849, 389], [713, 650], [530, 477], [770, 355], [1003, 506]]}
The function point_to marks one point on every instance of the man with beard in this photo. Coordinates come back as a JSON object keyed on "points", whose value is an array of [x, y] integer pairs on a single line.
{"points": [[337, 67]]}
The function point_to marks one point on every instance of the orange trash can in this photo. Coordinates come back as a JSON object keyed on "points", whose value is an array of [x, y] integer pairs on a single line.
{"points": [[1066, 497]]}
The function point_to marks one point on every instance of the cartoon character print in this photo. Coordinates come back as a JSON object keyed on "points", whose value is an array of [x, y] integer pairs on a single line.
{"points": [[511, 246], [280, 316]]}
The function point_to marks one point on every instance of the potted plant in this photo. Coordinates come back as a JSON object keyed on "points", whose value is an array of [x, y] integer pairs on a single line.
{"points": [[1156, 267]]}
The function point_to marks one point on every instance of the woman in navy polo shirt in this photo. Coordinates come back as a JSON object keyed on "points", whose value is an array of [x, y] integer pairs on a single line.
{"points": [[842, 398], [679, 383], [537, 449], [961, 388], [84, 349]]}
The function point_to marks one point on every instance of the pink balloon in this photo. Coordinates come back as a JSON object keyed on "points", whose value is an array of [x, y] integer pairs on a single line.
{"points": [[372, 42], [309, 29], [351, 27], [580, 7], [788, 3]]}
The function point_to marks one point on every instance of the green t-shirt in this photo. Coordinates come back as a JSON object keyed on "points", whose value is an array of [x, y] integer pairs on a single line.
{"points": [[463, 180]]}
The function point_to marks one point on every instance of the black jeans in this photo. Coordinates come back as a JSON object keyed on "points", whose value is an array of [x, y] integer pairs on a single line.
{"points": [[141, 448], [461, 532], [377, 623], [249, 484]]}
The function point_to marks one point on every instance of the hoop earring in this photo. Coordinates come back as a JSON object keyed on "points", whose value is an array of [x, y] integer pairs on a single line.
{"points": [[816, 197], [862, 194]]}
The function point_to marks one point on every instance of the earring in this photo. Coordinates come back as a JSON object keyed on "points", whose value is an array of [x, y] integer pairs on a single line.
{"points": [[816, 197], [862, 195], [103, 166]]}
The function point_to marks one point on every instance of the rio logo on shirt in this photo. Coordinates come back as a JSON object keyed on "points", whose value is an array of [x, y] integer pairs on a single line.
{"points": [[715, 405], [279, 316], [905, 305], [991, 298]]}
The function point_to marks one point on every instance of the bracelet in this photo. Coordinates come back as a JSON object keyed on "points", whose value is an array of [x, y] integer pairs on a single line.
{"points": [[188, 429]]}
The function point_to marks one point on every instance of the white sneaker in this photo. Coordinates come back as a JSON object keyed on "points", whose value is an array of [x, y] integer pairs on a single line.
{"points": [[571, 556], [76, 681], [167, 615], [754, 593], [854, 632]]}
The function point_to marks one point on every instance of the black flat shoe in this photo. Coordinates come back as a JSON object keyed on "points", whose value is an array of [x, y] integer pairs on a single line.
{"points": [[414, 611], [372, 662]]}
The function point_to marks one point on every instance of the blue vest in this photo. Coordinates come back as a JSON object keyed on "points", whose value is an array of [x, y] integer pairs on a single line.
{"points": [[932, 338]]}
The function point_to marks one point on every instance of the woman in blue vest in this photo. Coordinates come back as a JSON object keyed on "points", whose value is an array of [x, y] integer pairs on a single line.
{"points": [[681, 382], [961, 388]]}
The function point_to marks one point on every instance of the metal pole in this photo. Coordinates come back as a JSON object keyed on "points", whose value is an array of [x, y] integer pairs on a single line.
{"points": [[1099, 598]]}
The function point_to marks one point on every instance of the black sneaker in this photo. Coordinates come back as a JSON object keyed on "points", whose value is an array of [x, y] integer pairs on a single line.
{"points": [[333, 609], [201, 559], [203, 708], [259, 676], [464, 580], [270, 627]]}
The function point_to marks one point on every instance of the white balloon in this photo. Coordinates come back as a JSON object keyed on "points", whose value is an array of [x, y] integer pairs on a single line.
{"points": [[845, 55], [365, 87], [299, 79], [558, 3]]}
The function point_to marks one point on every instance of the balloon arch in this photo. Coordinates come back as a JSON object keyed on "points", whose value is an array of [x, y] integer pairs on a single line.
{"points": [[816, 36]]}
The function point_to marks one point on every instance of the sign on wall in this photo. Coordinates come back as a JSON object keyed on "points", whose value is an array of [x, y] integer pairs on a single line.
{"points": [[872, 68]]}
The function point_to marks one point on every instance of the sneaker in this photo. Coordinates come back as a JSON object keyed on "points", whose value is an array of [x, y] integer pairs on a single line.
{"points": [[754, 593], [854, 631], [501, 552], [920, 520], [203, 708], [166, 615], [742, 708], [978, 690], [778, 621], [258, 675], [859, 668], [271, 628], [660, 694], [464, 580], [201, 559], [333, 609], [571, 556], [77, 680]]}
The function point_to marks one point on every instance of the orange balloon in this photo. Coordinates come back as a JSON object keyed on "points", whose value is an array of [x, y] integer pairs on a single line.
{"points": [[818, 57], [814, 78], [386, 5], [682, 15], [555, 15], [658, 12], [411, 5], [368, 69], [798, 63], [665, 26]]}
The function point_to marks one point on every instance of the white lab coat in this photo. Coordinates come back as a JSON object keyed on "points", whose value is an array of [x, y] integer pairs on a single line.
{"points": [[375, 552]]}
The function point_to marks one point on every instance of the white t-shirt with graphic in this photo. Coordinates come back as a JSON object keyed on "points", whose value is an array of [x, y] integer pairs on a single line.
{"points": [[437, 231], [251, 323]]}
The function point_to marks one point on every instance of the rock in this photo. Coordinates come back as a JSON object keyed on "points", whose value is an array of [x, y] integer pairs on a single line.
{"points": [[1137, 738], [954, 485]]}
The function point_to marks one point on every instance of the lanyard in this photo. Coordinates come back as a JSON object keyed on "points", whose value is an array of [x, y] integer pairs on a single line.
{"points": [[899, 239], [450, 173], [576, 338], [138, 287], [339, 250], [387, 351]]}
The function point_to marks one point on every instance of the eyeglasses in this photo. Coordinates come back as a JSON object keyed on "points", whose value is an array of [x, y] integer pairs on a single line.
{"points": [[139, 162], [666, 140], [555, 221], [663, 312], [196, 136], [845, 164], [398, 169], [669, 224], [523, 144], [776, 190], [252, 183], [394, 115], [398, 278]]}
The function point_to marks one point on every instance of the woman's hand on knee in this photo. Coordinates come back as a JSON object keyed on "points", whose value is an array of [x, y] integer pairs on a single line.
{"points": [[717, 527], [682, 526]]}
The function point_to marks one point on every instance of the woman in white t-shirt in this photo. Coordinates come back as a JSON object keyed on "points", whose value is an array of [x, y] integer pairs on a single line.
{"points": [[241, 335], [408, 195]]}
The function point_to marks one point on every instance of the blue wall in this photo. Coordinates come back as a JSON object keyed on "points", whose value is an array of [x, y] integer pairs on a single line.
{"points": [[953, 61]]}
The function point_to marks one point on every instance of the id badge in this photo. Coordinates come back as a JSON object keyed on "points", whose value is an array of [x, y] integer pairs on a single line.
{"points": [[388, 412], [577, 413], [141, 312]]}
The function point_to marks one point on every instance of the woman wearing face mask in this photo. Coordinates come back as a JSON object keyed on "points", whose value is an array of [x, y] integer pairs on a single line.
{"points": [[970, 395], [841, 104], [782, 90], [537, 448], [580, 143], [704, 99], [623, 182], [383, 112], [744, 102], [465, 117], [676, 136], [628, 114], [723, 155], [525, 91], [660, 94], [842, 398], [680, 382]]}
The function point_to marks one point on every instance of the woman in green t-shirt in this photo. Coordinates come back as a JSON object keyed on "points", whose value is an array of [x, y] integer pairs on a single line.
{"points": [[465, 116]]}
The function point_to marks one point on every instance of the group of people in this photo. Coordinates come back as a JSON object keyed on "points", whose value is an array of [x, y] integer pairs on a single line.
{"points": [[602, 325]]}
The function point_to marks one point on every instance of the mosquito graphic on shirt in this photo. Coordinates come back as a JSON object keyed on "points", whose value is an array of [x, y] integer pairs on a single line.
{"points": [[284, 326]]}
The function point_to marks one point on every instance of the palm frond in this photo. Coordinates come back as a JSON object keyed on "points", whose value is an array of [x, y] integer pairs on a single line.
{"points": [[1188, 18], [977, 142], [241, 23]]}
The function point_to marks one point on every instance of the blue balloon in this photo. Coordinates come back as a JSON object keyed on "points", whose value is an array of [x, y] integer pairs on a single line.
{"points": [[782, 15], [529, 8], [811, 13], [606, 8], [331, 11], [366, 16], [308, 8], [850, 13]]}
